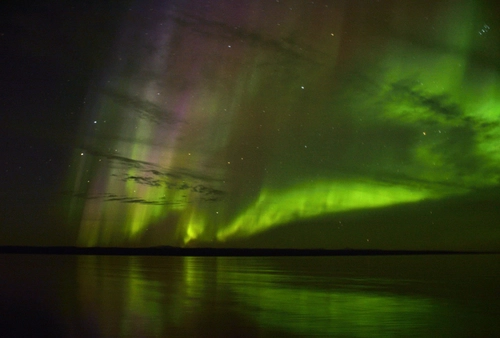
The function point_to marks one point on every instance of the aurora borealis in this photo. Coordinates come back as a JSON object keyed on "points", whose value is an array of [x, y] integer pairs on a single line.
{"points": [[210, 123]]}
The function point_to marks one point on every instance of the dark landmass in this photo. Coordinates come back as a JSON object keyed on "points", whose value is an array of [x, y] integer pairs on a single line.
{"points": [[177, 251]]}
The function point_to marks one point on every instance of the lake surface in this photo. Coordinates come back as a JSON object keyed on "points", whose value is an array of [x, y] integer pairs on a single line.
{"points": [[151, 296]]}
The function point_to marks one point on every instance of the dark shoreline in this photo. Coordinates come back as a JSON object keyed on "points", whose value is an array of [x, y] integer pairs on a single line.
{"points": [[211, 252]]}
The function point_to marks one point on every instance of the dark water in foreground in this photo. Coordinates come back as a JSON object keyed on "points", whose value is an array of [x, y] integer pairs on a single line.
{"points": [[377, 296]]}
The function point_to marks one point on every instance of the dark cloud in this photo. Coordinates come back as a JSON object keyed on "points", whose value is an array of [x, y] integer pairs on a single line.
{"points": [[202, 193], [144, 109], [125, 161], [143, 180], [441, 105], [221, 30], [200, 186], [197, 19]]}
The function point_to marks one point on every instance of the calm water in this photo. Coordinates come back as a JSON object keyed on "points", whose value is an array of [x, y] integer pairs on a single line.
{"points": [[404, 296]]}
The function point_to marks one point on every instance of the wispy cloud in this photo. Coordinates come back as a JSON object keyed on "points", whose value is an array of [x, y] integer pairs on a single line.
{"points": [[144, 109]]}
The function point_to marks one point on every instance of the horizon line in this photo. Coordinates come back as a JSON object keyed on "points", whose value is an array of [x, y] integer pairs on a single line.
{"points": [[211, 251]]}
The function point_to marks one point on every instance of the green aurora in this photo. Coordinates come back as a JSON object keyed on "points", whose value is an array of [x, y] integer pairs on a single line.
{"points": [[217, 125]]}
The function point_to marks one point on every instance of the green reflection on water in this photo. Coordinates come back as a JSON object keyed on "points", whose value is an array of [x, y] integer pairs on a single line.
{"points": [[299, 305], [115, 292], [362, 314], [142, 305], [197, 296]]}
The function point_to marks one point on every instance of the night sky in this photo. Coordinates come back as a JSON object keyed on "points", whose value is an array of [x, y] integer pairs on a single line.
{"points": [[272, 123]]}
